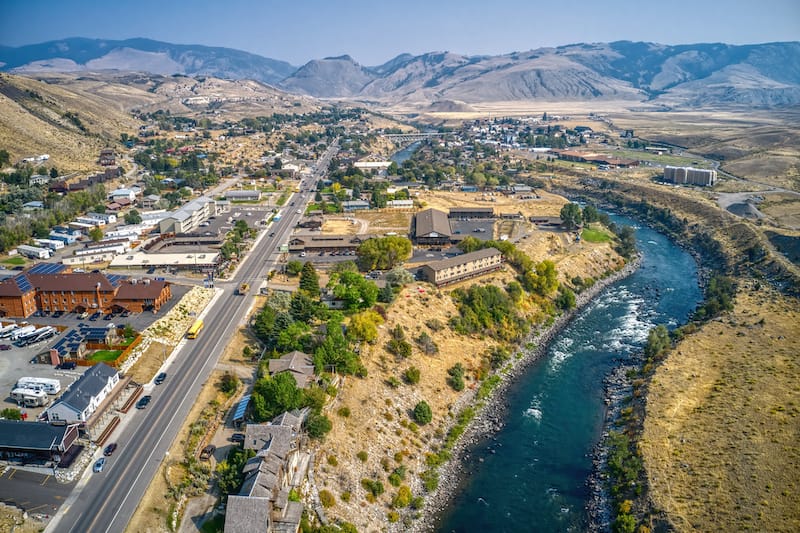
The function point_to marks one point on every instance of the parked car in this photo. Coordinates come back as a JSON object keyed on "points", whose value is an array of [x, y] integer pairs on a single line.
{"points": [[83, 315], [143, 401], [207, 452], [109, 316], [95, 316], [5, 347], [160, 378], [151, 270], [237, 437], [58, 314], [67, 365], [110, 449], [98, 466]]}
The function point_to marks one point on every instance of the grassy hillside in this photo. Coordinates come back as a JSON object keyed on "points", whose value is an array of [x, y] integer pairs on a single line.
{"points": [[70, 124], [720, 441]]}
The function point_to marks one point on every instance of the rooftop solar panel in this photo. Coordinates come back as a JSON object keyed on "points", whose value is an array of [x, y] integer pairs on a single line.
{"points": [[23, 283], [241, 408], [47, 268]]}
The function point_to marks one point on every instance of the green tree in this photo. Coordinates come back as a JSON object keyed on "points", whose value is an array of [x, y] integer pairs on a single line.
{"points": [[318, 425], [627, 241], [565, 299], [422, 413], [294, 267], [383, 253], [5, 158], [95, 234], [399, 277], [133, 217], [363, 326], [279, 393], [355, 291], [591, 214], [657, 342], [303, 307], [571, 216], [309, 280], [11, 413]]}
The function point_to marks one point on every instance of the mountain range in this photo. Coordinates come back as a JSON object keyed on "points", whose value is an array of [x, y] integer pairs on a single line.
{"points": [[685, 75]]}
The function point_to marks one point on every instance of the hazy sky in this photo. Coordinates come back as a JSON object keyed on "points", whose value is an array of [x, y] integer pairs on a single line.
{"points": [[377, 30]]}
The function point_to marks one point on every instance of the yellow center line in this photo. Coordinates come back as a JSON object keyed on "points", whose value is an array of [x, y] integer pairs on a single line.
{"points": [[45, 480]]}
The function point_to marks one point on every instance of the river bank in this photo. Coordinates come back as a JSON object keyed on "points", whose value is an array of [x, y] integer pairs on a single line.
{"points": [[490, 418]]}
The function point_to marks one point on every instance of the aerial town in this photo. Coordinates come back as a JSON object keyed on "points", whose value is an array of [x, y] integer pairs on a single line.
{"points": [[307, 304]]}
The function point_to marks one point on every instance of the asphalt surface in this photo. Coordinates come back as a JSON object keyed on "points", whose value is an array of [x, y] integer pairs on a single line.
{"points": [[35, 493], [107, 502]]}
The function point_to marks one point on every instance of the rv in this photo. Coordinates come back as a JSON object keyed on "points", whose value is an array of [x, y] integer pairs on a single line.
{"points": [[50, 386], [21, 332], [6, 330], [30, 397]]}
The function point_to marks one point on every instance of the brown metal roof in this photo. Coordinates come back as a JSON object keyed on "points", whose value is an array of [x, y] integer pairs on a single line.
{"points": [[432, 221], [83, 282], [463, 259], [140, 291]]}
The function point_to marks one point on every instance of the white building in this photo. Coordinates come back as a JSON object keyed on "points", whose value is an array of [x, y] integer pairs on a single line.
{"points": [[188, 217], [84, 396], [122, 193]]}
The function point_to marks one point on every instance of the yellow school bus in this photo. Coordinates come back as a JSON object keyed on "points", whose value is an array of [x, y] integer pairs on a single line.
{"points": [[195, 329]]}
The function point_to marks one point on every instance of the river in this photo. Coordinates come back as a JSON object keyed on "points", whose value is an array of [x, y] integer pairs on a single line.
{"points": [[531, 475], [401, 156]]}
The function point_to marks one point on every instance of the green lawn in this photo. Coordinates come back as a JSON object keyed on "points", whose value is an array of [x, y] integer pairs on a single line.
{"points": [[595, 235], [105, 355], [14, 261]]}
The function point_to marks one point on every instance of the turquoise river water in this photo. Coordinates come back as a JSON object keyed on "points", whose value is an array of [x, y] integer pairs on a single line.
{"points": [[531, 476]]}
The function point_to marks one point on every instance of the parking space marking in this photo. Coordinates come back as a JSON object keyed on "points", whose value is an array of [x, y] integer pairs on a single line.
{"points": [[44, 481]]}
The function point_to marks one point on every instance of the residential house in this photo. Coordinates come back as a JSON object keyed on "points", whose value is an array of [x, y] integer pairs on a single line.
{"points": [[298, 364]]}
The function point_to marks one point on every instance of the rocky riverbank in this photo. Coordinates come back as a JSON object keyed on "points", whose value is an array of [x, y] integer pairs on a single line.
{"points": [[490, 418]]}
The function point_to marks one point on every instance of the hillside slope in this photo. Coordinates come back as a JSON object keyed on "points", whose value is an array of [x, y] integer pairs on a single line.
{"points": [[143, 55]]}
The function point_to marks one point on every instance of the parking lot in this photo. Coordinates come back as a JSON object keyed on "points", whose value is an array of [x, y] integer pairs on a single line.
{"points": [[480, 228], [16, 362]]}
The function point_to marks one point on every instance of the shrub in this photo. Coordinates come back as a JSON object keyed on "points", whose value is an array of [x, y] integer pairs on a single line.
{"points": [[362, 455], [422, 413], [326, 498], [417, 502], [402, 498], [412, 375], [399, 347], [393, 516], [373, 487], [333, 461], [434, 324], [456, 379], [430, 479], [343, 412], [345, 497], [426, 344]]}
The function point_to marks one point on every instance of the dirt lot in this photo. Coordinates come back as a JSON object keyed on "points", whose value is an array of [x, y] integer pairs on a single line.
{"points": [[721, 437]]}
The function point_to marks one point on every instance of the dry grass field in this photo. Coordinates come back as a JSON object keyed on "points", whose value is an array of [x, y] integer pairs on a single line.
{"points": [[721, 440]]}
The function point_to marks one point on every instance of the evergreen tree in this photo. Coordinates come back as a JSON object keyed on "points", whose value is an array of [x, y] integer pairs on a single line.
{"points": [[309, 280]]}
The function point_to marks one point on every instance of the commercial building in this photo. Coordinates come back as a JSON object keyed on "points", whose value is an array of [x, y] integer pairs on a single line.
{"points": [[471, 212], [199, 262], [84, 396], [243, 195], [690, 176], [38, 289], [188, 217], [327, 243], [431, 228], [35, 443], [461, 267]]}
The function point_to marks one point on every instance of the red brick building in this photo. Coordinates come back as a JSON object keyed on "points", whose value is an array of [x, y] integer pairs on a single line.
{"points": [[24, 294]]}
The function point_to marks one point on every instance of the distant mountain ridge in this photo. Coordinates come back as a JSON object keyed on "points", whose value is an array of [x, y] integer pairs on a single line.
{"points": [[681, 75], [145, 55], [695, 75]]}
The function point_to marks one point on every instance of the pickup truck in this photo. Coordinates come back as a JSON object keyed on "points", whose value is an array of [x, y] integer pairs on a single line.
{"points": [[242, 290]]}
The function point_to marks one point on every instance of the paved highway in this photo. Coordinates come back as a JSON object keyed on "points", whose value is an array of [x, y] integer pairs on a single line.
{"points": [[107, 502]]}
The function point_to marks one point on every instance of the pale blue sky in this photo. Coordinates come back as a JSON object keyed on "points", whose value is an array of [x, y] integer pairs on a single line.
{"points": [[376, 31]]}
